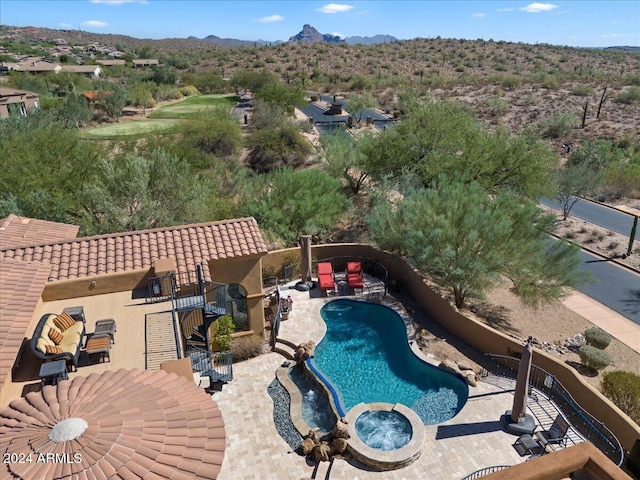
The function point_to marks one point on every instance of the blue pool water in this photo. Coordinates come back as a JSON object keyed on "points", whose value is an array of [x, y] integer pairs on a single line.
{"points": [[366, 356]]}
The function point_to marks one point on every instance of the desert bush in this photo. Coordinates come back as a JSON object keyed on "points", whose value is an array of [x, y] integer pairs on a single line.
{"points": [[593, 357], [632, 79], [558, 125], [496, 106], [246, 347], [581, 90], [550, 82], [623, 389], [597, 337], [222, 330], [189, 90], [629, 96]]}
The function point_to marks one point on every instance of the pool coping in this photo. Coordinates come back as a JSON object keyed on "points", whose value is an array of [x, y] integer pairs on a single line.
{"points": [[380, 459]]}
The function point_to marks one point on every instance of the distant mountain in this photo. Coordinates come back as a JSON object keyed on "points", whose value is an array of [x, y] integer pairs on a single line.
{"points": [[311, 35], [370, 40], [624, 48]]}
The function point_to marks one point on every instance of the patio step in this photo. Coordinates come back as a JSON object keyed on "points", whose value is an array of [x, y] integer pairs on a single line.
{"points": [[285, 348]]}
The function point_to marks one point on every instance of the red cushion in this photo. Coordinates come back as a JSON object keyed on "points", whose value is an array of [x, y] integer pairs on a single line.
{"points": [[355, 280], [324, 268], [354, 267], [326, 281]]}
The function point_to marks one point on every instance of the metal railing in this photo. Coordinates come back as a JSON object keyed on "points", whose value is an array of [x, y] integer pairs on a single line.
{"points": [[582, 421], [218, 366], [485, 471]]}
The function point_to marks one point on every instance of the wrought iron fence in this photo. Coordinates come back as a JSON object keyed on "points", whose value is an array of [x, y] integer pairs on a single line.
{"points": [[582, 421], [485, 471]]}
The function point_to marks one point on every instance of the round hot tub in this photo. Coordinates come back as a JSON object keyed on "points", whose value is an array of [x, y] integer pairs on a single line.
{"points": [[383, 430], [385, 436]]}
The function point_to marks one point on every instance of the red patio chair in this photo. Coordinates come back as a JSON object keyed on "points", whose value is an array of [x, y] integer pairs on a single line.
{"points": [[325, 277], [354, 275]]}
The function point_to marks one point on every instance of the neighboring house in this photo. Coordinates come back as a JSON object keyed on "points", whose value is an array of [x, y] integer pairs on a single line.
{"points": [[89, 71], [116, 54], [42, 262], [110, 63], [145, 62], [16, 102], [38, 66]]}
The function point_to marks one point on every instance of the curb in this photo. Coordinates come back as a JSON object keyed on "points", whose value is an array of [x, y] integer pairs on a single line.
{"points": [[585, 199]]}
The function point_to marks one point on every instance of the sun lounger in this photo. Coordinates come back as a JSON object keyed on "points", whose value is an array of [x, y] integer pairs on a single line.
{"points": [[326, 280]]}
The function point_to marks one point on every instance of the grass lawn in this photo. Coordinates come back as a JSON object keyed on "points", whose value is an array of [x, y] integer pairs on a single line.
{"points": [[124, 129], [187, 107]]}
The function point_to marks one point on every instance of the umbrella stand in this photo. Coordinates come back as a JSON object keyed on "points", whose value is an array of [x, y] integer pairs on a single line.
{"points": [[305, 284], [516, 420]]}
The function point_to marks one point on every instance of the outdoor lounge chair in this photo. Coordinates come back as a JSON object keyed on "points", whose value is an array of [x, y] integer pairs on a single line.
{"points": [[354, 275], [325, 277], [557, 433]]}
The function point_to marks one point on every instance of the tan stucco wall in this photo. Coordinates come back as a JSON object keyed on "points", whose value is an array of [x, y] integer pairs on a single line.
{"points": [[479, 335], [105, 283]]}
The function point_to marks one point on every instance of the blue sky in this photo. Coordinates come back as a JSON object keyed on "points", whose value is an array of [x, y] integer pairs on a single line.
{"points": [[574, 23]]}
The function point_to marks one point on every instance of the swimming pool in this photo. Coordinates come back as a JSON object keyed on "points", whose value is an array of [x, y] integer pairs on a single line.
{"points": [[366, 356]]}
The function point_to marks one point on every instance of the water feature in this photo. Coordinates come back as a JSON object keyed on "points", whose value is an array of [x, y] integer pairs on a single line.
{"points": [[383, 430], [365, 354], [316, 410]]}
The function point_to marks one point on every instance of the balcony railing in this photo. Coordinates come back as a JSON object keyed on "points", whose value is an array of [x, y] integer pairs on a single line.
{"points": [[485, 471], [582, 421]]}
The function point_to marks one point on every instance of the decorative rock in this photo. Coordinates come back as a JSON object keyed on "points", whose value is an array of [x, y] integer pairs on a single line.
{"points": [[338, 445], [449, 366], [321, 452], [307, 446], [300, 355], [471, 379], [314, 435], [464, 366], [340, 430]]}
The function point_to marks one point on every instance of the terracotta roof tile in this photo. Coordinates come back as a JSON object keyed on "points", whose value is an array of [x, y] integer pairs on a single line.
{"points": [[21, 232], [21, 285], [122, 400]]}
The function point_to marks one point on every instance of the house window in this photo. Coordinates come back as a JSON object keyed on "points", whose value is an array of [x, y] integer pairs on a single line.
{"points": [[17, 109]]}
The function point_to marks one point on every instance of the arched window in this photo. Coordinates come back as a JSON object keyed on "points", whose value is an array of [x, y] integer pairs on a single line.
{"points": [[237, 306]]}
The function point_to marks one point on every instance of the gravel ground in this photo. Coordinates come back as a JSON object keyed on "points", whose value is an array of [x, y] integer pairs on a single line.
{"points": [[282, 416]]}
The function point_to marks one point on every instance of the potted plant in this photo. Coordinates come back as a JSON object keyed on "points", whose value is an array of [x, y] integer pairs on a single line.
{"points": [[223, 328]]}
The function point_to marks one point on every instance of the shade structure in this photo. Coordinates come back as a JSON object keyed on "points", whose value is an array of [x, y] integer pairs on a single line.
{"points": [[119, 424], [518, 420]]}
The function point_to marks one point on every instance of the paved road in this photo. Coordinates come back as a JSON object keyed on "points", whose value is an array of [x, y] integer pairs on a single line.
{"points": [[613, 286], [605, 217]]}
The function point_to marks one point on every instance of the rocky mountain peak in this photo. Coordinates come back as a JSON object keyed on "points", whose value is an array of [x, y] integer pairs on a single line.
{"points": [[311, 35]]}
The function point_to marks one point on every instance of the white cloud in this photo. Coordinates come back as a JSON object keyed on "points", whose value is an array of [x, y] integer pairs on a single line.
{"points": [[338, 34], [271, 19], [336, 8], [616, 35], [510, 9], [478, 15], [538, 7], [66, 26], [117, 2], [94, 24]]}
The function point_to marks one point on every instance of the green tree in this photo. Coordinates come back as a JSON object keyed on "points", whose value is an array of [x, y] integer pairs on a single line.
{"points": [[345, 158], [289, 203], [470, 240], [113, 100], [213, 132], [252, 80], [164, 74], [75, 110], [133, 192], [280, 146], [358, 102], [286, 97], [575, 181]]}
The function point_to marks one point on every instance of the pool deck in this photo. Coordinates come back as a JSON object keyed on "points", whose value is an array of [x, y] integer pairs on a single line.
{"points": [[472, 440]]}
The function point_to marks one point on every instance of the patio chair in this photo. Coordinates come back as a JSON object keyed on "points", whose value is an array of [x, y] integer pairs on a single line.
{"points": [[354, 275], [326, 281], [557, 433]]}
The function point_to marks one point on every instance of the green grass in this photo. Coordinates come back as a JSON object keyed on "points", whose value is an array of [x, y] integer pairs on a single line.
{"points": [[191, 105], [132, 128]]}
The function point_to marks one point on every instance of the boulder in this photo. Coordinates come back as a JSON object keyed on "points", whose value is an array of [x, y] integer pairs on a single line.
{"points": [[340, 430], [321, 452], [471, 379], [449, 366], [314, 435], [300, 355], [306, 447], [464, 366], [338, 445]]}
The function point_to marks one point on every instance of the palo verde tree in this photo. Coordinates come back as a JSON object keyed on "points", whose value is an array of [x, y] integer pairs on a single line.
{"points": [[344, 158], [359, 102], [470, 240], [575, 181], [288, 203]]}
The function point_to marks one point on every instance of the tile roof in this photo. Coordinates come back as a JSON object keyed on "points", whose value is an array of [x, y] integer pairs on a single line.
{"points": [[139, 424], [22, 232], [21, 286], [120, 252]]}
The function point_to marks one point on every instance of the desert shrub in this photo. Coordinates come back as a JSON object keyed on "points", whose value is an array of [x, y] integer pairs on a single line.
{"points": [[623, 389], [581, 90], [597, 337], [629, 96], [632, 79], [558, 125], [550, 82], [189, 90], [496, 106], [593, 357], [246, 347], [222, 330]]}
